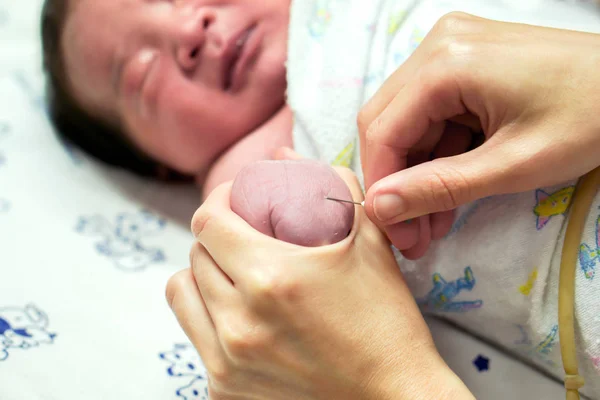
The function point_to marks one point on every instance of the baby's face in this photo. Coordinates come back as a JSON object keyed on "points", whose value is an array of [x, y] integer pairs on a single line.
{"points": [[185, 78]]}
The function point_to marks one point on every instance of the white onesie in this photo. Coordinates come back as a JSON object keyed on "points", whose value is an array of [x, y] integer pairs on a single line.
{"points": [[496, 272]]}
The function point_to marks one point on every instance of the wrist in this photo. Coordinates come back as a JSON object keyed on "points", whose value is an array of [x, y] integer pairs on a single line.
{"points": [[446, 385], [428, 380]]}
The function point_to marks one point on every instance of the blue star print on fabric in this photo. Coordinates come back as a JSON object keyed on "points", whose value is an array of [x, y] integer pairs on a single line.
{"points": [[482, 363]]}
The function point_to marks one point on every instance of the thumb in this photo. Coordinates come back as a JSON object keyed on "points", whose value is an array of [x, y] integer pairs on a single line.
{"points": [[349, 177], [440, 185]]}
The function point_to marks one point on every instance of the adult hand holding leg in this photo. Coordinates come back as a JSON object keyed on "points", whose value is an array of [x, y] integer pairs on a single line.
{"points": [[273, 320]]}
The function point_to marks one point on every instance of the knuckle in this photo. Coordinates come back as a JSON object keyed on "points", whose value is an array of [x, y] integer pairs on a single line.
{"points": [[196, 258], [454, 39], [221, 376], [364, 118], [447, 189], [453, 23], [449, 47], [243, 343], [237, 344], [215, 393], [174, 286], [271, 286], [208, 216], [261, 285], [373, 131], [193, 254], [199, 221], [208, 213]]}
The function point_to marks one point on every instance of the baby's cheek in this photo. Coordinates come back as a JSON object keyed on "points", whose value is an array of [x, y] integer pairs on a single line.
{"points": [[286, 200]]}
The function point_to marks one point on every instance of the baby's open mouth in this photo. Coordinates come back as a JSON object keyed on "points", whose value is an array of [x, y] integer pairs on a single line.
{"points": [[233, 55]]}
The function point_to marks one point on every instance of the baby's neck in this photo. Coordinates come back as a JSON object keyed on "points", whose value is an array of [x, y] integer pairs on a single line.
{"points": [[256, 146]]}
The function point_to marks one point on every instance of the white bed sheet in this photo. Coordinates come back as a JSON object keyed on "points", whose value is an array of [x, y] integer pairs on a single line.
{"points": [[85, 253]]}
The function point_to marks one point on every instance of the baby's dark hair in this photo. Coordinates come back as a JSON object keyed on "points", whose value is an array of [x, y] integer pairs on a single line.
{"points": [[101, 139]]}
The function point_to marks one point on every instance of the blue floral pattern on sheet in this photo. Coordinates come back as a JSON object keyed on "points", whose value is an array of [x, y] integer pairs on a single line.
{"points": [[23, 328], [186, 366], [121, 240]]}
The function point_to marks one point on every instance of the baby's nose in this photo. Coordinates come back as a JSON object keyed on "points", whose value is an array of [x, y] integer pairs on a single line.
{"points": [[192, 31]]}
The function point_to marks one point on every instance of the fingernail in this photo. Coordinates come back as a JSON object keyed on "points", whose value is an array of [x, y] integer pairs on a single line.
{"points": [[388, 206]]}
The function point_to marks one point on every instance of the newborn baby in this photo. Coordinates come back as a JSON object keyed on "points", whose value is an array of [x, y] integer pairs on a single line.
{"points": [[206, 88], [286, 200]]}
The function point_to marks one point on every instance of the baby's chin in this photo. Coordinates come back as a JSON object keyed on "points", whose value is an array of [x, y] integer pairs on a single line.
{"points": [[258, 145]]}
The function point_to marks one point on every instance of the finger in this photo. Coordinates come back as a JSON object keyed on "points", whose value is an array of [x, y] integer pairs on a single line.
{"points": [[361, 221], [286, 153], [444, 184], [422, 151], [187, 304], [448, 26], [469, 120], [430, 98], [384, 96], [442, 139], [216, 288], [423, 242], [404, 235], [455, 140], [441, 223], [231, 242], [352, 182]]}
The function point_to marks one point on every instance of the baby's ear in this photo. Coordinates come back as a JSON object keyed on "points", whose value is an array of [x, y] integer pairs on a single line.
{"points": [[286, 153]]}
